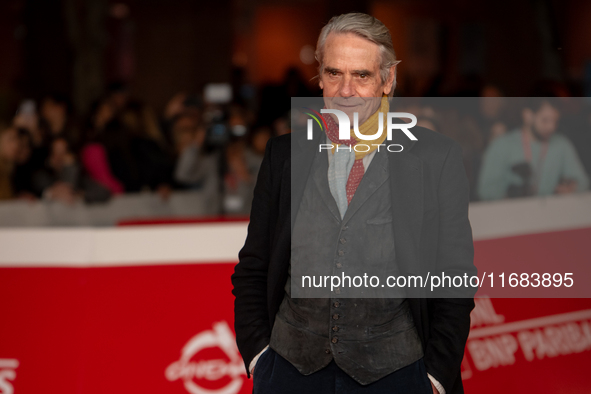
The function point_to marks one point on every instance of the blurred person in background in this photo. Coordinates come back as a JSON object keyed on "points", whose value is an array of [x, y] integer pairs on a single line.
{"points": [[27, 121], [149, 148], [276, 98], [59, 177], [180, 104], [281, 125], [125, 149], [62, 178], [460, 122], [25, 167], [428, 123], [197, 165], [9, 149], [533, 160], [56, 120], [109, 131], [26, 118], [243, 160], [490, 119], [118, 95], [138, 151], [577, 127], [258, 142], [238, 180], [93, 155]]}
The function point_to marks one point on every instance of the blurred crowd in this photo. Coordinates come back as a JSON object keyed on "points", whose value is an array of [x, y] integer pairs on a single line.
{"points": [[511, 148], [515, 147], [123, 146]]}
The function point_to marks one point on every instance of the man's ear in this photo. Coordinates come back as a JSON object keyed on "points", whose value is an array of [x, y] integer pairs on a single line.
{"points": [[390, 80], [320, 83]]}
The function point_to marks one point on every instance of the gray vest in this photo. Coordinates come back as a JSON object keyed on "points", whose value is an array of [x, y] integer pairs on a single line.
{"points": [[368, 338]]}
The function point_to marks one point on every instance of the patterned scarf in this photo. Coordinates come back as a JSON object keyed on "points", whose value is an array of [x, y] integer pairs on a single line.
{"points": [[349, 165]]}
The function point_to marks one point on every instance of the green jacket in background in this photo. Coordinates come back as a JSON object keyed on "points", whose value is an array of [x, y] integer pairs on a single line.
{"points": [[560, 163]]}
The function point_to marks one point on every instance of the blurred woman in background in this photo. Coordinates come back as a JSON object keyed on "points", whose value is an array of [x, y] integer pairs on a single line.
{"points": [[9, 145]]}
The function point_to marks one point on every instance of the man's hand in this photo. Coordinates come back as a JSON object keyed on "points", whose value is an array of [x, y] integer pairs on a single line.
{"points": [[175, 106], [435, 391], [566, 187], [164, 190], [62, 191]]}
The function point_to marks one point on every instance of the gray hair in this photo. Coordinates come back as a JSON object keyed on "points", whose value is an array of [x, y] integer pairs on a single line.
{"points": [[365, 26]]}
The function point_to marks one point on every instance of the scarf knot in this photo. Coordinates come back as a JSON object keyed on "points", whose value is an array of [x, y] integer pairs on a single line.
{"points": [[346, 169]]}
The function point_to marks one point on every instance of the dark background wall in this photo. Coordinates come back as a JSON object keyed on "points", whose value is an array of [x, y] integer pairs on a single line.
{"points": [[164, 46], [180, 45]]}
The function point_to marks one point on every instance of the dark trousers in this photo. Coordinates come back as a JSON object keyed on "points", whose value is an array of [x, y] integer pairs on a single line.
{"points": [[275, 375]]}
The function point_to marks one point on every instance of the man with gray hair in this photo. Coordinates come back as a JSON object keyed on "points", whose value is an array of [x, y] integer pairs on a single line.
{"points": [[407, 210]]}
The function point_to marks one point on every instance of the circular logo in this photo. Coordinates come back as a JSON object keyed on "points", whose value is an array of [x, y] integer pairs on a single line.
{"points": [[209, 369]]}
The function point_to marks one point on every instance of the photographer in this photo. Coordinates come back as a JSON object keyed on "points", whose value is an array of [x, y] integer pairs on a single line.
{"points": [[533, 160]]}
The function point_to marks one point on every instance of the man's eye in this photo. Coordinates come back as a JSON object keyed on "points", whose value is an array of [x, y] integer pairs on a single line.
{"points": [[333, 73], [362, 75]]}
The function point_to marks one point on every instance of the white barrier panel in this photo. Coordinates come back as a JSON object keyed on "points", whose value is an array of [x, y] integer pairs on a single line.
{"points": [[151, 310], [174, 244], [137, 205]]}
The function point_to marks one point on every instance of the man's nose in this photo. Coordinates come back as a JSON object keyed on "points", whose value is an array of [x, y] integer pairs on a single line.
{"points": [[347, 88]]}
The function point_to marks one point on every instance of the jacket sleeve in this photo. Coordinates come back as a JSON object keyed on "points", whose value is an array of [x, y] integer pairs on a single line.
{"points": [[449, 317], [251, 319]]}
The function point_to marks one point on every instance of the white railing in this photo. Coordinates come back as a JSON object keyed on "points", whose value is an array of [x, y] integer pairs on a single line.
{"points": [[220, 242], [42, 213]]}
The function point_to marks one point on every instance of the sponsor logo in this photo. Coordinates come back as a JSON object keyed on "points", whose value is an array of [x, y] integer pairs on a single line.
{"points": [[202, 375], [8, 368], [495, 343]]}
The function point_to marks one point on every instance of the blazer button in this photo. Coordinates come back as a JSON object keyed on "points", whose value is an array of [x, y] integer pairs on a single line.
{"points": [[336, 304], [335, 328], [339, 265], [327, 351], [343, 240], [335, 316], [335, 339], [341, 253]]}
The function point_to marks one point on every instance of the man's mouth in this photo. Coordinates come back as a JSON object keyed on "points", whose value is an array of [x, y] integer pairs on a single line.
{"points": [[347, 105]]}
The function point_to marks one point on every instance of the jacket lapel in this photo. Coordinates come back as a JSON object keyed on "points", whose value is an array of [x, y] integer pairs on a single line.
{"points": [[320, 175], [375, 175], [298, 167]]}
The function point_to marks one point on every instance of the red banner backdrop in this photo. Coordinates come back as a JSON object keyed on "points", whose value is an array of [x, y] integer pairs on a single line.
{"points": [[125, 320], [154, 329]]}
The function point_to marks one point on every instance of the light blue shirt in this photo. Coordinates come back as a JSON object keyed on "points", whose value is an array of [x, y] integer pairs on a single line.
{"points": [[560, 163]]}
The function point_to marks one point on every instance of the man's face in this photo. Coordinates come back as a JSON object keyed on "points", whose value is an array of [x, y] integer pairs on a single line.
{"points": [[351, 79], [543, 122]]}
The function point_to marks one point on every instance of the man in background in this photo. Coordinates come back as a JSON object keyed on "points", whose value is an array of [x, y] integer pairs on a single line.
{"points": [[533, 160]]}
